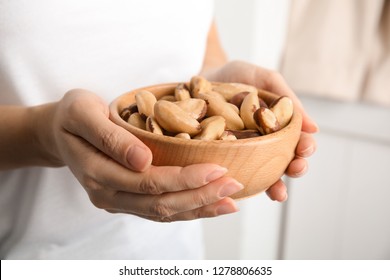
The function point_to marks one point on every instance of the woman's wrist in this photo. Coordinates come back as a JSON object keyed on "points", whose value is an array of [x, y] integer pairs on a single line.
{"points": [[26, 137], [44, 132]]}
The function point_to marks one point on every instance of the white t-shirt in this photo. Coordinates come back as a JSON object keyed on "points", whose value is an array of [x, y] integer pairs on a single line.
{"points": [[48, 47]]}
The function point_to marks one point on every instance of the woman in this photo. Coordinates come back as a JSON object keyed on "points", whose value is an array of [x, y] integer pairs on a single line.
{"points": [[53, 46]]}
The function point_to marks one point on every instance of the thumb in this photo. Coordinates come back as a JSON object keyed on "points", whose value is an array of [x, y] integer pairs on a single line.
{"points": [[95, 127], [137, 156], [308, 124], [120, 144]]}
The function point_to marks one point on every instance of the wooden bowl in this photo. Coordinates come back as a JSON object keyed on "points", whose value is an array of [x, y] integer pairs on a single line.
{"points": [[255, 162]]}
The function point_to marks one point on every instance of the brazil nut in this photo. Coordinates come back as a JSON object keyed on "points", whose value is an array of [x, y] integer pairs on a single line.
{"points": [[174, 119]]}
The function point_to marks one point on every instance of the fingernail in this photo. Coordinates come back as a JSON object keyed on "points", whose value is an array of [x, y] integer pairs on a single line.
{"points": [[215, 174], [226, 209], [302, 172], [138, 158], [308, 151], [315, 127], [230, 188]]}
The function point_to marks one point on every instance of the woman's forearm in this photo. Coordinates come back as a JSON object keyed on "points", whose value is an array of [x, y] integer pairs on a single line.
{"points": [[25, 138], [215, 56]]}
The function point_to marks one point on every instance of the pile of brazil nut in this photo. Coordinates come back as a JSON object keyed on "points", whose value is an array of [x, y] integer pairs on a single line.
{"points": [[209, 111]]}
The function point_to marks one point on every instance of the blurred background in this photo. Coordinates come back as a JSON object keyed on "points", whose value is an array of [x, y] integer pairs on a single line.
{"points": [[336, 57]]}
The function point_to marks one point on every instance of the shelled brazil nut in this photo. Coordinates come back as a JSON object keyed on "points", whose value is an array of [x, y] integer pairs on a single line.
{"points": [[202, 110]]}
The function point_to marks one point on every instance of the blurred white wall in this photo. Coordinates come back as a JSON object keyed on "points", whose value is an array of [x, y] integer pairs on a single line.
{"points": [[253, 30], [339, 210]]}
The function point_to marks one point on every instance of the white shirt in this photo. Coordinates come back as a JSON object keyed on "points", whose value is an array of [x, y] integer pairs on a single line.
{"points": [[49, 47]]}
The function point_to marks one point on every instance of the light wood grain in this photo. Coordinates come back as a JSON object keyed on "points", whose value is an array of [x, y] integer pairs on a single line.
{"points": [[255, 162]]}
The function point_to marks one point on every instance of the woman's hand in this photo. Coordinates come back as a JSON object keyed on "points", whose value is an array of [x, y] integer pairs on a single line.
{"points": [[115, 167], [272, 81]]}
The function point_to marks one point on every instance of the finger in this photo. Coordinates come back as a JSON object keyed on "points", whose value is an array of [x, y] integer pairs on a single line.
{"points": [[169, 204], [306, 145], [222, 207], [86, 161], [159, 179], [90, 165], [308, 124], [297, 168], [94, 125], [105, 198], [278, 191]]}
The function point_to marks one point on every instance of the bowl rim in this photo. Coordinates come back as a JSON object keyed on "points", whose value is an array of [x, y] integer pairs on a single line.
{"points": [[296, 120]]}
